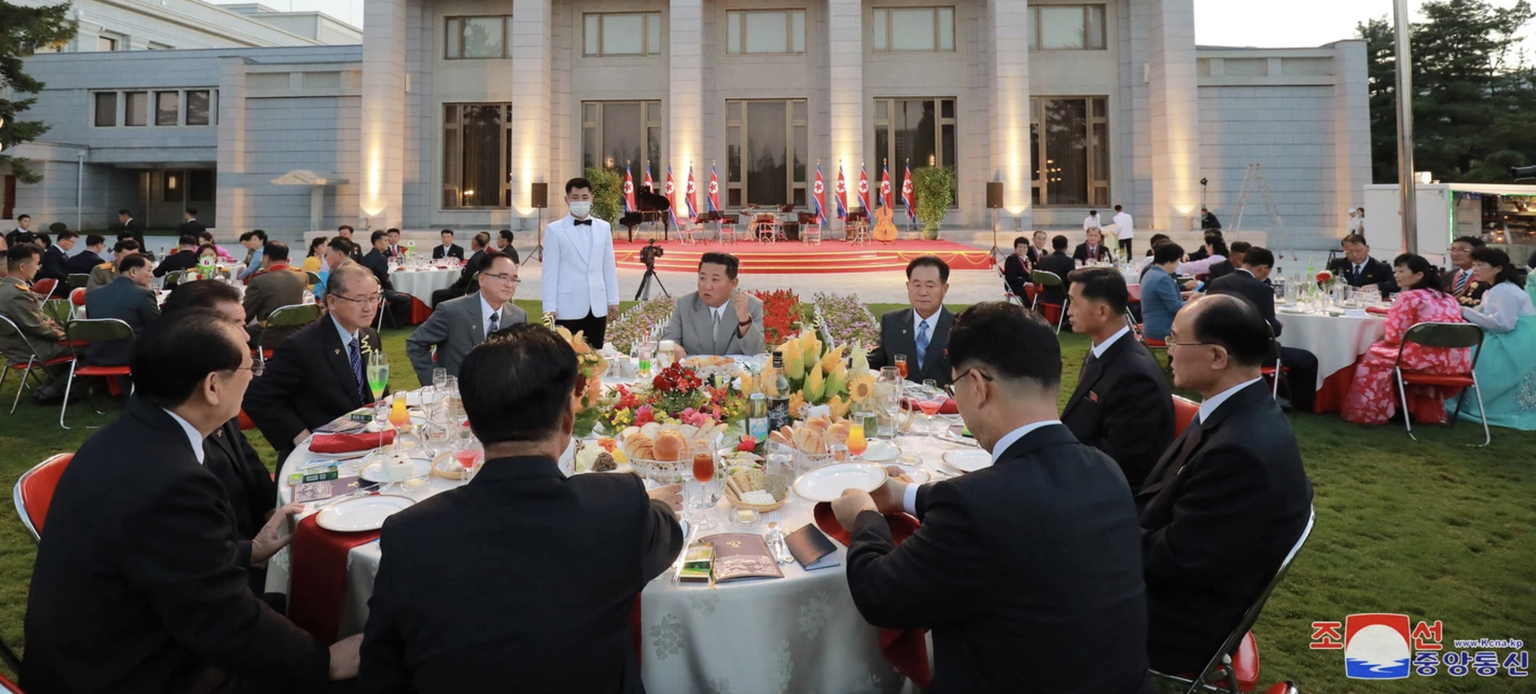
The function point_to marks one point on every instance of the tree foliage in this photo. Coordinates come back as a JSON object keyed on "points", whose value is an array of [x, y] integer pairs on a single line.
{"points": [[934, 187], [607, 188], [1474, 103], [23, 30]]}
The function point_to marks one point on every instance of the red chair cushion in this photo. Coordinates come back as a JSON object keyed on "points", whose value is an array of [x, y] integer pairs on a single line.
{"points": [[1154, 342], [102, 371], [1135, 290], [38, 485], [1270, 370], [1246, 664], [245, 422], [1417, 379], [77, 297], [44, 286], [267, 353], [1184, 411], [1052, 312], [22, 366]]}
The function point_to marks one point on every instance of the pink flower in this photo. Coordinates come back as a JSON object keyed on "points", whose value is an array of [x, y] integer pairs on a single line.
{"points": [[644, 415]]}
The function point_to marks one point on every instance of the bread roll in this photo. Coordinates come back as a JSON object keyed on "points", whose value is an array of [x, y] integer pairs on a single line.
{"points": [[670, 446]]}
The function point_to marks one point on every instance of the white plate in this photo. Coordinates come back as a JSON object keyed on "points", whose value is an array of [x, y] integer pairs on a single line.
{"points": [[363, 513], [374, 472], [828, 482], [1290, 309], [969, 460], [918, 475], [880, 451]]}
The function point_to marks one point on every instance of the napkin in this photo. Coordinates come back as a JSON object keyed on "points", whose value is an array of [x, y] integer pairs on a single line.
{"points": [[1376, 311], [351, 443], [319, 577]]}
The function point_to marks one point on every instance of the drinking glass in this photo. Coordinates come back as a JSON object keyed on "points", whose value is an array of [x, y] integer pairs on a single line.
{"points": [[839, 452], [439, 377], [901, 364], [930, 400], [378, 373], [857, 443], [703, 471], [467, 452], [888, 400]]}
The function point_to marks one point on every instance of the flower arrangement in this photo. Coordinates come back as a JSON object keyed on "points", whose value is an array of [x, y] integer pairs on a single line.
{"points": [[589, 364], [1325, 279], [781, 311], [819, 376], [844, 320], [624, 331], [677, 394]]}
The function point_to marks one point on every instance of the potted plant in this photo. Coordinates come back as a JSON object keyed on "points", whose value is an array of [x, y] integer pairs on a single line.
{"points": [[934, 187], [606, 188]]}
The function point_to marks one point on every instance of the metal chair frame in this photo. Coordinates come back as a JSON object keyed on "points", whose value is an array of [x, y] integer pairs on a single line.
{"points": [[298, 314], [1448, 335], [1008, 294], [811, 234], [1046, 278], [6, 324], [121, 331]]}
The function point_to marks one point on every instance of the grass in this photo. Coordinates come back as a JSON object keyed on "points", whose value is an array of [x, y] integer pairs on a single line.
{"points": [[1433, 529]]}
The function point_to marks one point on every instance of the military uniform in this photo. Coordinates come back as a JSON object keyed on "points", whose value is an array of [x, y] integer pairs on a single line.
{"points": [[101, 276], [25, 308]]}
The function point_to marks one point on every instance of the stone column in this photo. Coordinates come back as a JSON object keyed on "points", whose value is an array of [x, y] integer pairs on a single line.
{"points": [[531, 63], [845, 54], [383, 114], [230, 213], [1007, 38], [1175, 115], [1351, 133], [685, 104]]}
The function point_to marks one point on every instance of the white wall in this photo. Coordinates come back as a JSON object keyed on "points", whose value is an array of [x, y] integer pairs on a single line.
{"points": [[172, 23]]}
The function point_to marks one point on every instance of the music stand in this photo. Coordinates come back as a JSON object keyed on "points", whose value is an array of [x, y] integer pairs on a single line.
{"points": [[540, 198], [994, 203]]}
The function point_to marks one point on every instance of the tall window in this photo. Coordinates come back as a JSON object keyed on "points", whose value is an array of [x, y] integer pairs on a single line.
{"points": [[765, 31], [106, 109], [914, 29], [767, 147], [106, 43], [1069, 151], [1066, 27], [477, 155], [921, 131], [616, 132], [622, 34], [135, 108], [197, 106], [167, 108], [476, 38]]}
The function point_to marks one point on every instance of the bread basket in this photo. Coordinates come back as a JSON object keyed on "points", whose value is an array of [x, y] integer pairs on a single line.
{"points": [[663, 471], [735, 499]]}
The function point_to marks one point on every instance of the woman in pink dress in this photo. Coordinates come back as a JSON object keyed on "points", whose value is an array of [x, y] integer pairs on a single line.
{"points": [[1372, 397]]}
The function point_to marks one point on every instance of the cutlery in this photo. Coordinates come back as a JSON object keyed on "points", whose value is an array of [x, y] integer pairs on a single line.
{"points": [[365, 491]]}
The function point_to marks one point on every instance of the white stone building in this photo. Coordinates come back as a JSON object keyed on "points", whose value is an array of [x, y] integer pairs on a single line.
{"points": [[451, 109]]}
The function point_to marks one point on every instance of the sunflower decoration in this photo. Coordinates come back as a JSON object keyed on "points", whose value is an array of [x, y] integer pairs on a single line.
{"points": [[797, 405], [861, 388], [838, 406]]}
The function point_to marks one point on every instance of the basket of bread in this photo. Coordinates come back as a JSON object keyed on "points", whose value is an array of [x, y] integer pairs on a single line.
{"points": [[811, 440], [663, 452], [758, 490]]}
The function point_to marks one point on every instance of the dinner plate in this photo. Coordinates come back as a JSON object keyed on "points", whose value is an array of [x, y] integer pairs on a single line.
{"points": [[1290, 309], [918, 475], [968, 460], [880, 451], [374, 472], [828, 482], [363, 513]]}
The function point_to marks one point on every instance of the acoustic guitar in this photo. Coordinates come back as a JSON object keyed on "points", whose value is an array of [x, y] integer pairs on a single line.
{"points": [[885, 229]]}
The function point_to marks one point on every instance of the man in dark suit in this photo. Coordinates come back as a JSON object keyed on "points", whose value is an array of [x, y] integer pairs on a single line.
{"points": [[81, 263], [1252, 283], [1228, 500], [129, 299], [1093, 249], [278, 284], [449, 249], [1027, 572], [377, 260], [1359, 269], [1059, 263], [141, 585], [56, 259], [605, 533], [185, 257], [1121, 404], [1208, 220], [456, 326], [132, 227], [393, 249], [22, 233], [320, 373], [921, 332], [1460, 283], [191, 227], [1016, 268], [345, 231], [1231, 264], [466, 283]]}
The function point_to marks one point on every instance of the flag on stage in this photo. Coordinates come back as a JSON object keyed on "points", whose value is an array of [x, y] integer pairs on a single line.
{"points": [[671, 199], [647, 184], [842, 194], [629, 190], [887, 196], [819, 196], [688, 194], [714, 189], [907, 195], [864, 190]]}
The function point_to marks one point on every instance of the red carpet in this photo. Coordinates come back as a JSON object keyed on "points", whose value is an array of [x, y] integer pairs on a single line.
{"points": [[792, 257]]}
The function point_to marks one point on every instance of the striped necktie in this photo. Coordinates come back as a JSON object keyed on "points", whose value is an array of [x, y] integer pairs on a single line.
{"points": [[1461, 280], [495, 323], [922, 343], [355, 355]]}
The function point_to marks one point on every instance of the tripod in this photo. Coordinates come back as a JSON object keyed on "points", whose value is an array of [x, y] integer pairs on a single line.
{"points": [[538, 251], [644, 292]]}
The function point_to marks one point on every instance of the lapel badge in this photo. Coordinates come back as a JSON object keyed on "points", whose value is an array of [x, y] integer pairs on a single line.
{"points": [[338, 352], [1092, 396]]}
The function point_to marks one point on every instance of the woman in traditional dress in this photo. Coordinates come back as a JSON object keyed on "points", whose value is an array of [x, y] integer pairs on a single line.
{"points": [[1506, 363], [1372, 397]]}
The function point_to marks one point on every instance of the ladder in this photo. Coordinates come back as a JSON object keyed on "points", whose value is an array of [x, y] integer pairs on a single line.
{"points": [[1255, 179]]}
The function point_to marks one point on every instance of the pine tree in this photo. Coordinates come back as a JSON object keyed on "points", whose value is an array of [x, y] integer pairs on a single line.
{"points": [[23, 30]]}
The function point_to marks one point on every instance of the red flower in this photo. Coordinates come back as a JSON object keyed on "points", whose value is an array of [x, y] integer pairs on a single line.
{"points": [[748, 444]]}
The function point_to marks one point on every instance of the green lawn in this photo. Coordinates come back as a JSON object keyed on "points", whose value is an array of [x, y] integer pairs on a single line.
{"points": [[1433, 529]]}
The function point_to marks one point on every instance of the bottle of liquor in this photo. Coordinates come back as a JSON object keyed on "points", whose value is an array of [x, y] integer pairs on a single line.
{"points": [[778, 397], [757, 418]]}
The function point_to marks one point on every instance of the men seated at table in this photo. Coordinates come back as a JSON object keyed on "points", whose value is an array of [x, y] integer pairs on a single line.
{"points": [[185, 257], [335, 253], [717, 319], [105, 272], [1507, 359], [448, 249], [141, 585], [377, 260], [254, 245], [1121, 404], [1038, 247], [319, 373], [1161, 297], [1229, 498], [129, 299], [504, 244], [1251, 282], [553, 565], [465, 284], [1060, 264], [278, 284], [1027, 572], [1373, 395], [1093, 250], [393, 249], [56, 258], [1016, 268], [921, 332], [1359, 269], [1234, 261], [456, 326], [40, 335], [1460, 282], [82, 262]]}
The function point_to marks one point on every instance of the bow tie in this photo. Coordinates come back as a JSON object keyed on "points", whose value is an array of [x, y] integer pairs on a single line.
{"points": [[583, 222]]}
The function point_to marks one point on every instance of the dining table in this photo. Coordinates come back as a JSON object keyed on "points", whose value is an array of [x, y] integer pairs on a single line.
{"points": [[421, 282], [1338, 339]]}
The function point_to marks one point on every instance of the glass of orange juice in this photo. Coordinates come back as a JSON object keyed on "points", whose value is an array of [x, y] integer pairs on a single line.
{"points": [[398, 414], [857, 444]]}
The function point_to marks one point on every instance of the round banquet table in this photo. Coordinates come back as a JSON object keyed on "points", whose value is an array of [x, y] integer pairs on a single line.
{"points": [[800, 633], [421, 283], [1338, 342]]}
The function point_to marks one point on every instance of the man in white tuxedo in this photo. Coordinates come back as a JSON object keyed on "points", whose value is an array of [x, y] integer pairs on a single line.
{"points": [[581, 279]]}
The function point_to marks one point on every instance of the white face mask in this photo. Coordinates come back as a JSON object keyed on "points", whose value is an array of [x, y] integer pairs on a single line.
{"points": [[581, 208]]}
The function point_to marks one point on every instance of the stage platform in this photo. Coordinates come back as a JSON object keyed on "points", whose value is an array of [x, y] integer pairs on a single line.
{"points": [[793, 257]]}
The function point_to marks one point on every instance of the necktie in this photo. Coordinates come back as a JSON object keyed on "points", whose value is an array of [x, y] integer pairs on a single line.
{"points": [[355, 355], [714, 320], [1093, 252], [583, 222], [1192, 436], [1087, 364], [495, 323], [1461, 280], [1357, 270], [922, 343]]}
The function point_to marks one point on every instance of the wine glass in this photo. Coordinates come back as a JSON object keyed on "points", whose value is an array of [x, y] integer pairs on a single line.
{"points": [[467, 452], [378, 373], [439, 377], [703, 471], [857, 444], [901, 364], [930, 399]]}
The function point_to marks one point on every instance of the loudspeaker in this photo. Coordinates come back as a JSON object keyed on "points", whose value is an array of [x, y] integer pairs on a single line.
{"points": [[540, 195], [994, 195]]}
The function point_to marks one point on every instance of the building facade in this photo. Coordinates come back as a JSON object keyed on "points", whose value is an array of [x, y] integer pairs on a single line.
{"points": [[451, 109]]}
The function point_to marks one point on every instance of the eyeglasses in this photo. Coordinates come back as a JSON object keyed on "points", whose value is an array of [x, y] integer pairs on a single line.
{"points": [[502, 277], [1171, 344], [373, 298], [258, 365], [950, 389]]}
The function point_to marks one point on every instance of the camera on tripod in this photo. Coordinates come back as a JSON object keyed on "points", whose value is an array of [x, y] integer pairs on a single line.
{"points": [[649, 253]]}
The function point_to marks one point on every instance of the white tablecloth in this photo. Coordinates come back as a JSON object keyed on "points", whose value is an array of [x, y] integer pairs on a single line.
{"points": [[801, 633], [421, 283], [1337, 341]]}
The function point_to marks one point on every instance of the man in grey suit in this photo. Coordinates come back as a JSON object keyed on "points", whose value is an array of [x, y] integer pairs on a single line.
{"points": [[127, 298], [705, 322], [921, 333], [458, 325]]}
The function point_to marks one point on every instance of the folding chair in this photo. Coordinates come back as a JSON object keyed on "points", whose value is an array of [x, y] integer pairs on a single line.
{"points": [[45, 287], [86, 331], [687, 232], [8, 329], [291, 316], [1046, 278], [1449, 336], [78, 279], [1235, 668], [1184, 411], [1008, 294], [1277, 371], [76, 301], [15, 664], [174, 278], [34, 492], [314, 277], [810, 234]]}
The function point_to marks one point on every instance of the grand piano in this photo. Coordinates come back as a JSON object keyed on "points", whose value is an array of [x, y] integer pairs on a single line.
{"points": [[652, 208]]}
